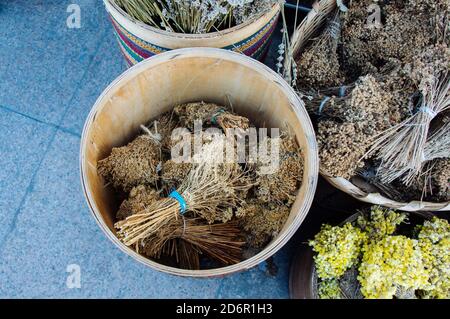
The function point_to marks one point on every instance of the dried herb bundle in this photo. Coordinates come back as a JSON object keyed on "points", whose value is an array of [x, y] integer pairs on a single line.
{"points": [[390, 95], [319, 65], [132, 165], [221, 242], [199, 16], [207, 192], [262, 221], [281, 185], [208, 205], [210, 113], [401, 148]]}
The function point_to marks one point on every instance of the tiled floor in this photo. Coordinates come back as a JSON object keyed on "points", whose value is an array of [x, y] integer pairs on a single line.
{"points": [[50, 76]]}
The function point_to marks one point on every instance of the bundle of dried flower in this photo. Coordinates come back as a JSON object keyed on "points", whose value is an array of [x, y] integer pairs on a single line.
{"points": [[201, 16]]}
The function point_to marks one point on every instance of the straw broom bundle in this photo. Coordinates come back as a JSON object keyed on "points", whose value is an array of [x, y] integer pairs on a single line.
{"points": [[186, 255], [208, 190], [437, 146], [219, 241], [401, 148]]}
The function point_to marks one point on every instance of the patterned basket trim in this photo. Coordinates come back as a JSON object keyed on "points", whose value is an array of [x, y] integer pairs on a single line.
{"points": [[135, 49]]}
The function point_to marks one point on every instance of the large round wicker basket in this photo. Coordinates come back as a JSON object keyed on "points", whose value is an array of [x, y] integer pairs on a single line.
{"points": [[361, 190], [158, 84]]}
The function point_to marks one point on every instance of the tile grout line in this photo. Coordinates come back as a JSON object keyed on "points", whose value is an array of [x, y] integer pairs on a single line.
{"points": [[52, 138], [56, 126]]}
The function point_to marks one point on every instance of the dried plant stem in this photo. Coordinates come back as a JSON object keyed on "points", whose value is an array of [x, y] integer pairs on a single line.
{"points": [[219, 241], [438, 145], [401, 147], [207, 189]]}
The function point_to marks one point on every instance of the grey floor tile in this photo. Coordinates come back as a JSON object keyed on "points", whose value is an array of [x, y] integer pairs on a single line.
{"points": [[43, 61], [22, 146], [264, 281], [54, 229], [108, 64]]}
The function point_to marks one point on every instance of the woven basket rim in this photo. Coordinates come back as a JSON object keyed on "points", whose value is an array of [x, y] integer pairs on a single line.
{"points": [[373, 198], [191, 36]]}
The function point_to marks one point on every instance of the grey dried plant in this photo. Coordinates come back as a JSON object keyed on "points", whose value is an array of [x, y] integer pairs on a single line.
{"points": [[208, 191], [319, 65], [401, 148], [198, 16]]}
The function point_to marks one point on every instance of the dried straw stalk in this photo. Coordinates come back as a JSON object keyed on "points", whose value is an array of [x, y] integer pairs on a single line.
{"points": [[401, 147], [219, 241], [438, 145], [205, 190], [186, 255]]}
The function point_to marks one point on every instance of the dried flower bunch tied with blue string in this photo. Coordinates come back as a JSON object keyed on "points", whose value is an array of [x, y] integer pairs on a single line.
{"points": [[383, 254], [195, 17], [376, 77], [211, 205]]}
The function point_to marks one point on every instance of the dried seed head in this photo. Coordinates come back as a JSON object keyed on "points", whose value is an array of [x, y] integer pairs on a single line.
{"points": [[341, 146], [139, 198], [261, 221], [132, 165]]}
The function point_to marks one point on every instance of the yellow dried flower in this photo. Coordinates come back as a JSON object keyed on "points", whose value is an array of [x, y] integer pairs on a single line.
{"points": [[434, 242], [329, 289], [435, 230], [337, 249], [381, 222], [391, 264]]}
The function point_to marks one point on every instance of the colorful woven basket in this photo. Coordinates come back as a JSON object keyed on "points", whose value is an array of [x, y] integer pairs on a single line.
{"points": [[139, 41]]}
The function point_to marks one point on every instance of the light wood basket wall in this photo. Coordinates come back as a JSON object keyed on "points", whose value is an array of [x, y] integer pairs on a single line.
{"points": [[158, 84], [308, 28]]}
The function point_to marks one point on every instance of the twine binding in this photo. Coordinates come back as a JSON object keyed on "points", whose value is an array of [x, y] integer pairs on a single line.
{"points": [[177, 196], [425, 109], [322, 104], [214, 117], [335, 29]]}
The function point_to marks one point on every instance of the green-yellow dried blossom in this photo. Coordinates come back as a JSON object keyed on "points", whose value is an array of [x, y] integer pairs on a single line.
{"points": [[337, 249], [434, 241], [381, 222], [436, 259], [329, 289], [389, 264], [435, 230]]}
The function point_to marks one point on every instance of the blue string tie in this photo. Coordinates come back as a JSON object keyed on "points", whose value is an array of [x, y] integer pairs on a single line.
{"points": [[214, 117], [342, 90], [425, 109], [322, 104], [177, 196]]}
